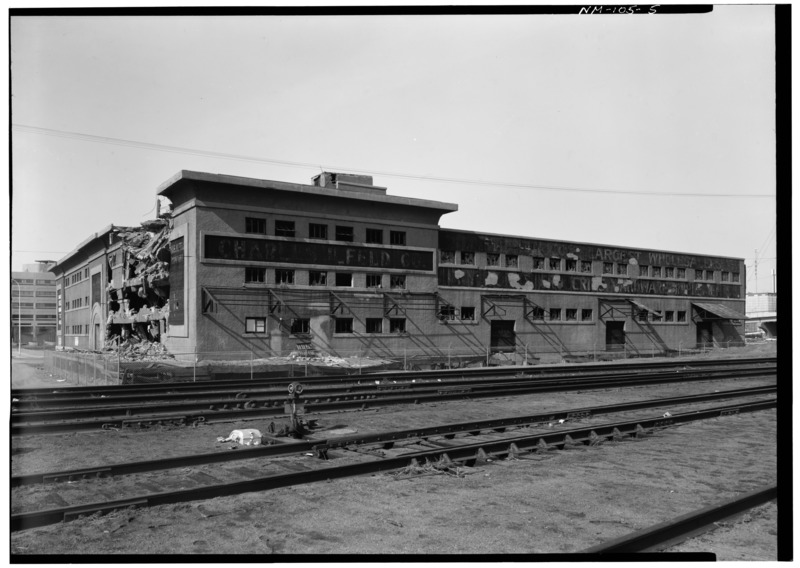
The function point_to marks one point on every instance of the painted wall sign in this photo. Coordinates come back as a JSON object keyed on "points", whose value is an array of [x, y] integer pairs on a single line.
{"points": [[479, 278], [254, 250], [176, 275]]}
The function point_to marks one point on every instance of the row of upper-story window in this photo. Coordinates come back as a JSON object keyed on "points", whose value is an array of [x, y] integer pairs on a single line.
{"points": [[554, 264], [33, 305], [78, 303], [37, 317], [76, 276], [33, 293], [302, 326], [76, 330], [289, 277], [33, 282], [321, 231]]}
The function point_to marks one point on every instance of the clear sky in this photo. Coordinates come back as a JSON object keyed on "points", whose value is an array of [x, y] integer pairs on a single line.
{"points": [[520, 111]]}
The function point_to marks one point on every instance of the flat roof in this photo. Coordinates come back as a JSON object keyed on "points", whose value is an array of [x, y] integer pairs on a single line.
{"points": [[189, 175]]}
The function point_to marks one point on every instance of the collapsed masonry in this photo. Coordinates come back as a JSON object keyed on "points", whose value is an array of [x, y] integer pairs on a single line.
{"points": [[138, 286]]}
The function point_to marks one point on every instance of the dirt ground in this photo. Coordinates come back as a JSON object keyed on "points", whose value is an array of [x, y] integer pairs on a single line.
{"points": [[547, 502]]}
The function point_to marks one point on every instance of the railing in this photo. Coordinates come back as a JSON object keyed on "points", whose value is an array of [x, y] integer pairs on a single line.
{"points": [[112, 367]]}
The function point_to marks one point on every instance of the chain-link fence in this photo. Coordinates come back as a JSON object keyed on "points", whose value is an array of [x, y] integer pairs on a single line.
{"points": [[125, 367]]}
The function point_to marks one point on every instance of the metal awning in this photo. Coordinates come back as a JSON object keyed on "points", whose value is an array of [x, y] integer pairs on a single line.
{"points": [[641, 306], [722, 312]]}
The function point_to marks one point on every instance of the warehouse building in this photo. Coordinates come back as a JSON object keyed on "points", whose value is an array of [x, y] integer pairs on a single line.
{"points": [[341, 267]]}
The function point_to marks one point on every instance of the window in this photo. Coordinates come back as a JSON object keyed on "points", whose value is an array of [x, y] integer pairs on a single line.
{"points": [[538, 263], [555, 314], [467, 257], [572, 265], [641, 315], [735, 276], [492, 259], [655, 317], [622, 269], [511, 260], [572, 314], [300, 325], [375, 236], [726, 276], [44, 306], [586, 314], [344, 234], [397, 325], [670, 272], [643, 268], [555, 264], [255, 325], [681, 316], [397, 238], [44, 282], [47, 293], [254, 275], [608, 268], [284, 228], [344, 325], [255, 225], [397, 281], [447, 313], [681, 273], [656, 272], [374, 325], [316, 231], [374, 280], [537, 313], [317, 278], [284, 276], [710, 275], [447, 256], [669, 316], [467, 313], [86, 273], [344, 279]]}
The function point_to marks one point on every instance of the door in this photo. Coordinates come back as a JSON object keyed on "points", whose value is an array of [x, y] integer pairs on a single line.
{"points": [[705, 335], [615, 335], [503, 338]]}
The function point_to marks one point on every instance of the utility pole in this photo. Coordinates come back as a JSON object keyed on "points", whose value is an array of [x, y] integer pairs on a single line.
{"points": [[756, 266], [19, 317]]}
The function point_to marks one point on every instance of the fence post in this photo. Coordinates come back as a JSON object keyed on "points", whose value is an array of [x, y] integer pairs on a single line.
{"points": [[251, 364], [194, 365], [487, 355], [526, 354], [94, 368], [405, 359], [119, 360], [449, 348]]}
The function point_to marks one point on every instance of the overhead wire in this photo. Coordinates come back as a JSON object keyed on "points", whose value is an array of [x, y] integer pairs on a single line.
{"points": [[443, 179]]}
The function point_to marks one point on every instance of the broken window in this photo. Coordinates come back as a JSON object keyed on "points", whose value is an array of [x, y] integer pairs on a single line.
{"points": [[726, 276], [555, 264], [655, 317], [284, 228], [735, 276], [344, 279], [586, 314], [375, 236], [492, 259], [537, 313], [467, 257], [316, 231], [343, 325], [511, 260], [572, 265], [317, 278], [608, 268], [682, 273], [255, 225], [555, 314], [538, 263], [397, 281], [669, 272], [397, 325], [681, 316], [253, 275], [447, 256], [572, 314], [283, 276], [397, 238], [344, 234], [622, 269], [300, 325], [447, 313], [641, 315], [374, 325], [656, 272], [710, 275], [643, 270], [669, 316], [374, 280], [255, 325], [467, 313], [586, 266]]}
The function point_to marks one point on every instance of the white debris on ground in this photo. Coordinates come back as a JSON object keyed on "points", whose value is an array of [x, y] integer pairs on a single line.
{"points": [[245, 437]]}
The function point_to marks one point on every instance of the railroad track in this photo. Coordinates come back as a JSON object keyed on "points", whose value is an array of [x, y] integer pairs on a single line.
{"points": [[120, 411], [438, 446]]}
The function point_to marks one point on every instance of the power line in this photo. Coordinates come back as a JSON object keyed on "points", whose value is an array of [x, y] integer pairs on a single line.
{"points": [[206, 153]]}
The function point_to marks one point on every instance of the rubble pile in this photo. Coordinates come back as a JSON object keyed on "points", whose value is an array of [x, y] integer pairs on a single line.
{"points": [[148, 258], [134, 349]]}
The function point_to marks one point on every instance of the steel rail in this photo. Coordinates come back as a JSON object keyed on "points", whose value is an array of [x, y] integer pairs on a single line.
{"points": [[470, 454], [669, 533], [383, 438], [246, 408], [464, 373], [68, 401]]}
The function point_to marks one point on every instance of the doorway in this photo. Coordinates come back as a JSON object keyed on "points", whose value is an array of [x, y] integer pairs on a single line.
{"points": [[705, 334], [503, 338], [615, 335]]}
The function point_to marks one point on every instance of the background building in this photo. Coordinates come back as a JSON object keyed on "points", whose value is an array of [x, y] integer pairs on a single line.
{"points": [[33, 304], [762, 314], [237, 264]]}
